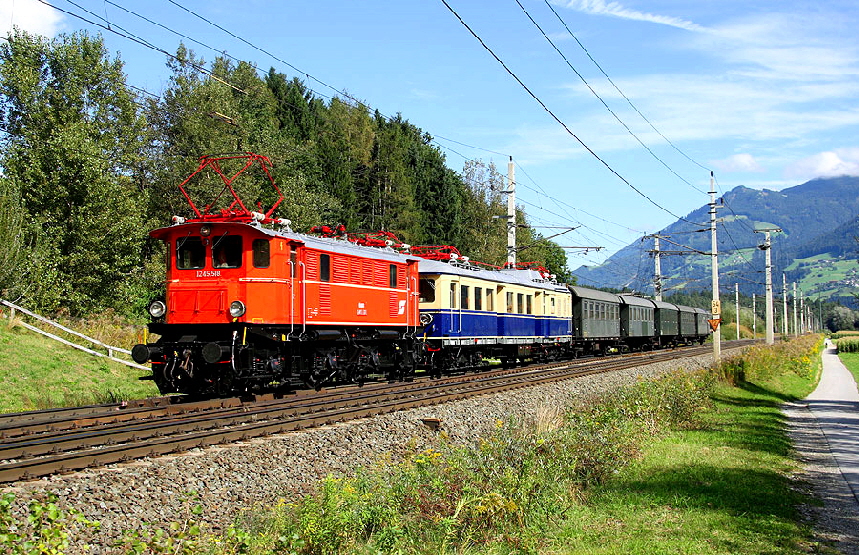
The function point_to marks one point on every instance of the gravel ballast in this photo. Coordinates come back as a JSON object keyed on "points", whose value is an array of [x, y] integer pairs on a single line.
{"points": [[262, 471]]}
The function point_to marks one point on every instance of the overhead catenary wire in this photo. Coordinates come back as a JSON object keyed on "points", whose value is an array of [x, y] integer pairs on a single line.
{"points": [[556, 118], [140, 41], [582, 46], [605, 105]]}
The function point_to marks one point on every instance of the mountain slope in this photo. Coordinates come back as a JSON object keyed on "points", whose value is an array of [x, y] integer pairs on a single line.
{"points": [[817, 247]]}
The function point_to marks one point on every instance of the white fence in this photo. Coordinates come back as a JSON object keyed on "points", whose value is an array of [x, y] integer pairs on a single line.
{"points": [[109, 348]]}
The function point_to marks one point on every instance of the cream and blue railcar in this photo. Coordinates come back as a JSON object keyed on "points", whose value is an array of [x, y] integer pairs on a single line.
{"points": [[470, 314]]}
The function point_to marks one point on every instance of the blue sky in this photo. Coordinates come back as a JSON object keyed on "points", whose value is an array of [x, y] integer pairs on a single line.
{"points": [[764, 93]]}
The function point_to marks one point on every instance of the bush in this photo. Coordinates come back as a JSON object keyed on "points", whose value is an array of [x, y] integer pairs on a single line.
{"points": [[762, 362], [504, 489], [43, 530], [850, 345]]}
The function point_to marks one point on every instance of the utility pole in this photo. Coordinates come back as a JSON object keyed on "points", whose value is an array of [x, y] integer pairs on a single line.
{"points": [[717, 306], [795, 328], [766, 247], [754, 319], [657, 256], [801, 312], [511, 214], [737, 306], [784, 327], [657, 276]]}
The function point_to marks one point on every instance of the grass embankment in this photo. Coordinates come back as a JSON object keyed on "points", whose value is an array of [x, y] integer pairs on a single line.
{"points": [[851, 361], [37, 373], [691, 463]]}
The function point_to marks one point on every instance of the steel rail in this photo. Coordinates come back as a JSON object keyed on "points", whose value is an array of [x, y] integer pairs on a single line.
{"points": [[105, 443]]}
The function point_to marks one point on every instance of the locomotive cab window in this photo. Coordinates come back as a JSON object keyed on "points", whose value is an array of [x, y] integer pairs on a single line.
{"points": [[392, 276], [463, 296], [262, 253], [227, 252], [190, 253]]}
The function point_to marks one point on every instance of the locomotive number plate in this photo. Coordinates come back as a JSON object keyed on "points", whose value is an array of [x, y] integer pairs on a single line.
{"points": [[208, 273]]}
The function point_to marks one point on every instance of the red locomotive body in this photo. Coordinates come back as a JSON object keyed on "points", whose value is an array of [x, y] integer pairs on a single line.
{"points": [[251, 307]]}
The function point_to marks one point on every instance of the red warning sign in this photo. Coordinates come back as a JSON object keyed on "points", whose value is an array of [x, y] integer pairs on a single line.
{"points": [[714, 323]]}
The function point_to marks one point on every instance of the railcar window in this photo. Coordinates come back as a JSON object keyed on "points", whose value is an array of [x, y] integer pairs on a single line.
{"points": [[509, 303], [452, 295], [262, 253], [463, 296], [324, 267], [427, 290], [528, 307], [190, 253], [227, 252], [478, 299], [519, 304], [490, 300], [392, 276]]}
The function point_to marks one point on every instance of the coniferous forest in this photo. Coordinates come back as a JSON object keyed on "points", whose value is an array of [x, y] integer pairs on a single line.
{"points": [[90, 164]]}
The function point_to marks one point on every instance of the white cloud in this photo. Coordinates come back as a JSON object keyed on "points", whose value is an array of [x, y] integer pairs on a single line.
{"points": [[616, 9], [833, 163], [739, 163], [31, 16]]}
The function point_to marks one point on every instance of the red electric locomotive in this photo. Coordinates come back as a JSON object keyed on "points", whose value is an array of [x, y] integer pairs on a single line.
{"points": [[251, 305]]}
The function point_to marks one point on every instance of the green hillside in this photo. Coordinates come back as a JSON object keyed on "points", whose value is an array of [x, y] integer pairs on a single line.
{"points": [[817, 247], [37, 372]]}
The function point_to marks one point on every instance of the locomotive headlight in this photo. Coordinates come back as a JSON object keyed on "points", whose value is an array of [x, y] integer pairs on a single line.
{"points": [[426, 318], [157, 309], [205, 230], [237, 308]]}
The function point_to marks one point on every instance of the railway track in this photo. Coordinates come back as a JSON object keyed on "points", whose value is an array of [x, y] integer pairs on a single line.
{"points": [[42, 443]]}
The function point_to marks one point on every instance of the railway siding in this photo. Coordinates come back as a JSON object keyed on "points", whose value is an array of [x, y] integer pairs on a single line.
{"points": [[259, 471]]}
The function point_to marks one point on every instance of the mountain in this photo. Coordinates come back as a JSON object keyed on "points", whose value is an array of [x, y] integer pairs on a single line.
{"points": [[817, 247]]}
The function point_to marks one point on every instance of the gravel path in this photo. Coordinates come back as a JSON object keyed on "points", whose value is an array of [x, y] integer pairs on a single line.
{"points": [[836, 521]]}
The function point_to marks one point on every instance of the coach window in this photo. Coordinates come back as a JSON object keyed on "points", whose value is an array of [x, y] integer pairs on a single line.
{"points": [[227, 252], [262, 253], [392, 276], [324, 267], [190, 253], [427, 290], [478, 298], [490, 300], [463, 296]]}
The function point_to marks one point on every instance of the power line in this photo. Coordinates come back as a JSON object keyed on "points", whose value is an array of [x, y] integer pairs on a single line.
{"points": [[603, 102], [582, 46], [140, 41], [555, 117]]}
